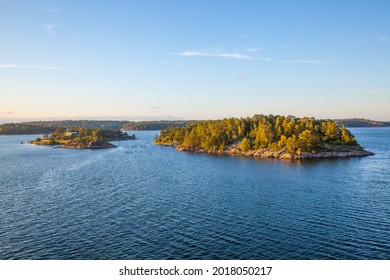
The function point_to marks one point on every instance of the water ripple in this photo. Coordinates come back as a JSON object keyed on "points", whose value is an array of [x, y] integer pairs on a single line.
{"points": [[141, 201]]}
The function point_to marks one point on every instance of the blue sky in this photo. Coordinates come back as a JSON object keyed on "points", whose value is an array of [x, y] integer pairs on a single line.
{"points": [[144, 60]]}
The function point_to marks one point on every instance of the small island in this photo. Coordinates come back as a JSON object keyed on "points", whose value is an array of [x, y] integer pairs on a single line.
{"points": [[265, 136], [82, 138]]}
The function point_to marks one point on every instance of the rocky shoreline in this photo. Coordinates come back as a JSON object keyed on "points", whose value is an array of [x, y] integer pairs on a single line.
{"points": [[329, 153], [92, 145]]}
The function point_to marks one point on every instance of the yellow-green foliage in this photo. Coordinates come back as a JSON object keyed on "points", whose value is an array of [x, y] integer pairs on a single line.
{"points": [[86, 134], [245, 144], [259, 132]]}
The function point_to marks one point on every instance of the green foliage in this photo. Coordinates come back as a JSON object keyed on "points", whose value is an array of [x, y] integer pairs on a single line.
{"points": [[308, 141], [330, 131], [245, 145], [259, 132], [153, 125], [361, 123], [347, 137], [264, 136], [292, 144], [41, 127], [87, 134]]}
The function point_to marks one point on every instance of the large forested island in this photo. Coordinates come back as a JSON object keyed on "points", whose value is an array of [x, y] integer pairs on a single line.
{"points": [[265, 136], [82, 138]]}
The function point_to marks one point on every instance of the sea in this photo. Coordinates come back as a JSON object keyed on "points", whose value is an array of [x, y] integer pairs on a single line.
{"points": [[141, 201]]}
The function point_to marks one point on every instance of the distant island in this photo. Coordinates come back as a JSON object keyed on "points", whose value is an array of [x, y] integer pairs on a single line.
{"points": [[265, 136], [153, 125], [41, 127], [361, 123], [82, 138]]}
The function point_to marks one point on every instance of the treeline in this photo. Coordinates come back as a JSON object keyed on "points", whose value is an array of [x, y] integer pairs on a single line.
{"points": [[361, 123], [259, 132], [153, 125], [41, 127]]}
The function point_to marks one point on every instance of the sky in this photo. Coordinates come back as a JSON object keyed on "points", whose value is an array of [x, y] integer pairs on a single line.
{"points": [[144, 60]]}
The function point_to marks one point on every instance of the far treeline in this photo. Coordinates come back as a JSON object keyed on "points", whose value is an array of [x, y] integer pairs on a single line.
{"points": [[41, 127], [153, 125], [47, 127], [295, 135], [361, 123]]}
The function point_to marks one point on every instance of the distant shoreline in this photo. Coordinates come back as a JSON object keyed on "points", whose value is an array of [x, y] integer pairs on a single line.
{"points": [[41, 127]]}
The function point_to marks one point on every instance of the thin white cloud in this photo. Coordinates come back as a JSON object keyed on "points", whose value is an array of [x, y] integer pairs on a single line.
{"points": [[239, 55], [20, 66], [382, 39], [215, 54], [50, 29], [359, 43]]}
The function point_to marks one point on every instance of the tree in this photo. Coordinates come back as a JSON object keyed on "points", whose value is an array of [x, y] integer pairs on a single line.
{"points": [[264, 136], [330, 131], [245, 145], [347, 137], [308, 141], [292, 144]]}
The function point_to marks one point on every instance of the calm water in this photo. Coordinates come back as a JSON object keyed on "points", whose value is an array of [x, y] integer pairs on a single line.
{"points": [[141, 201]]}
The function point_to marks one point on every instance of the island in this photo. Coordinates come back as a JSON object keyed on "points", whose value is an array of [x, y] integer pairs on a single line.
{"points": [[82, 138], [265, 136]]}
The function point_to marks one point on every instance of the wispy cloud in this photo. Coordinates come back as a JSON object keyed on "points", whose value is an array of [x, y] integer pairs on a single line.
{"points": [[359, 43], [215, 54], [6, 113], [21, 66], [50, 29], [382, 39], [155, 109], [244, 56]]}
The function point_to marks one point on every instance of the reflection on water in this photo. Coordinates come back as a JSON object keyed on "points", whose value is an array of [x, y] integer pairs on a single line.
{"points": [[141, 201]]}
